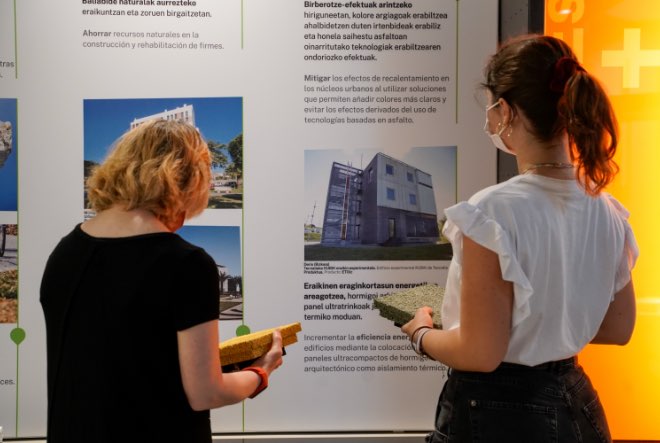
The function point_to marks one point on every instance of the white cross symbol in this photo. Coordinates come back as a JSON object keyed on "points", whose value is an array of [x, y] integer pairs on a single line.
{"points": [[632, 58]]}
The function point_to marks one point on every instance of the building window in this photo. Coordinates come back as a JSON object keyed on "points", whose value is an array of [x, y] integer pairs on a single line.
{"points": [[371, 174], [413, 199], [389, 169], [410, 177], [390, 194]]}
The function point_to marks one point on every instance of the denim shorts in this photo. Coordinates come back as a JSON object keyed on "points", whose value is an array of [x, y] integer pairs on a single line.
{"points": [[550, 403]]}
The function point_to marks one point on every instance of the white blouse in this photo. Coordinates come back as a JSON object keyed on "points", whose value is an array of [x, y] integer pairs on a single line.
{"points": [[566, 253]]}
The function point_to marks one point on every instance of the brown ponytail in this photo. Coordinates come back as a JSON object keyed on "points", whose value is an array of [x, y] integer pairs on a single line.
{"points": [[592, 130]]}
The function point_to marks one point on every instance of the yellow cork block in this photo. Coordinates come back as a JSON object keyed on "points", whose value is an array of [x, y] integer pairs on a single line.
{"points": [[400, 307], [252, 346]]}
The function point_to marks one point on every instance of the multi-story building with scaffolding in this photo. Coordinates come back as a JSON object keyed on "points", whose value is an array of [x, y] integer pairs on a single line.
{"points": [[184, 113], [387, 203], [343, 207]]}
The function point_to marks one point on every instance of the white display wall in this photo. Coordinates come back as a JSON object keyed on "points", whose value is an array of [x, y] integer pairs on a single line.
{"points": [[304, 84]]}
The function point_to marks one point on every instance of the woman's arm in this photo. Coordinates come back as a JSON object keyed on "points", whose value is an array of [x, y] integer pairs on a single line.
{"points": [[619, 322], [482, 339], [203, 381]]}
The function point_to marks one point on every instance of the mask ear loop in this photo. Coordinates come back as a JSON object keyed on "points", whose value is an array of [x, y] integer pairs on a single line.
{"points": [[494, 105], [499, 128]]}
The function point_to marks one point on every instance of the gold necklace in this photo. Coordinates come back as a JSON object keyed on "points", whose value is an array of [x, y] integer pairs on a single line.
{"points": [[558, 165]]}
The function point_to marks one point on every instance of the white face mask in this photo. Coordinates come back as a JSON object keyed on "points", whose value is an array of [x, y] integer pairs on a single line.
{"points": [[497, 137]]}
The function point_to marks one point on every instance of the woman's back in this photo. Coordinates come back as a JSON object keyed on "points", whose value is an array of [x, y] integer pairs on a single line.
{"points": [[562, 248], [112, 315]]}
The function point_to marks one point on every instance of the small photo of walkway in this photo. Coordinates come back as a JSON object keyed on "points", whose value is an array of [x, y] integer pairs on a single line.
{"points": [[231, 307]]}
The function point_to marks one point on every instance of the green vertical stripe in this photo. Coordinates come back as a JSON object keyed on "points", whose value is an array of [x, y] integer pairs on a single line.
{"points": [[15, 44], [242, 22], [457, 40]]}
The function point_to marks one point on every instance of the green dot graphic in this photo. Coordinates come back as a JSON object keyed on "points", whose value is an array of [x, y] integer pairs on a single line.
{"points": [[17, 335], [242, 330]]}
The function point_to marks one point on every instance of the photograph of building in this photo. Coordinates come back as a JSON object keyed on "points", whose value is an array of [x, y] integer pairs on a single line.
{"points": [[223, 244], [218, 119], [183, 113], [387, 203]]}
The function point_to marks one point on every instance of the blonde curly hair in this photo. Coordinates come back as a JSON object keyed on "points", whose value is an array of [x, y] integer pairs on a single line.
{"points": [[163, 166]]}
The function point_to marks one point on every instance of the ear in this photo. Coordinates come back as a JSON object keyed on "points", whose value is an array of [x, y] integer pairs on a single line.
{"points": [[507, 111]]}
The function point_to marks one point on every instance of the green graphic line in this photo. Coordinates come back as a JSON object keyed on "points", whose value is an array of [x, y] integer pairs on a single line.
{"points": [[243, 208], [243, 325], [457, 25], [458, 153], [17, 334], [18, 242], [241, 27], [15, 45], [17, 385]]}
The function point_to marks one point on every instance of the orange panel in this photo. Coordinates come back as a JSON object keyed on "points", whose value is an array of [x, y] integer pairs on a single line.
{"points": [[619, 41]]}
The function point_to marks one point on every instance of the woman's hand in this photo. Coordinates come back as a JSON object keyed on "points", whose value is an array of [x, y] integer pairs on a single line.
{"points": [[272, 359], [423, 318], [204, 383]]}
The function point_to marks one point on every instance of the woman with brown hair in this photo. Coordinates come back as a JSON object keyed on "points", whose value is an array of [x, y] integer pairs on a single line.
{"points": [[542, 262], [132, 309]]}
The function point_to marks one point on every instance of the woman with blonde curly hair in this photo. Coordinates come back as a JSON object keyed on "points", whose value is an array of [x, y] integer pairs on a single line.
{"points": [[144, 172], [132, 309]]}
